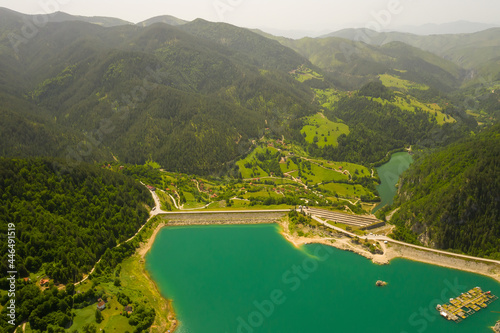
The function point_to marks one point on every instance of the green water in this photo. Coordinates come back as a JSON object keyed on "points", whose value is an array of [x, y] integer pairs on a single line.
{"points": [[389, 174], [249, 279]]}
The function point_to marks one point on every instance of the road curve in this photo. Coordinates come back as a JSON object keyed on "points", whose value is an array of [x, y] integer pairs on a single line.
{"points": [[390, 240], [158, 211]]}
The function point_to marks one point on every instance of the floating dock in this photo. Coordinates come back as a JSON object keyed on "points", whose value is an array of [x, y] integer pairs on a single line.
{"points": [[466, 304]]}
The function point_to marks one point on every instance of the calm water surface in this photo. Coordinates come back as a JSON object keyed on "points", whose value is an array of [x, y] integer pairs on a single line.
{"points": [[249, 279], [389, 174]]}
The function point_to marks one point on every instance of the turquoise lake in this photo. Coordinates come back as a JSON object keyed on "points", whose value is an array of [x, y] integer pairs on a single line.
{"points": [[249, 279], [389, 174]]}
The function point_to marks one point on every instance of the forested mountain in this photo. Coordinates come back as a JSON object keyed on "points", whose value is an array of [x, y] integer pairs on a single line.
{"points": [[188, 102], [450, 199], [167, 19], [66, 215], [466, 50], [354, 63], [378, 127], [99, 20], [194, 97], [64, 17], [247, 45]]}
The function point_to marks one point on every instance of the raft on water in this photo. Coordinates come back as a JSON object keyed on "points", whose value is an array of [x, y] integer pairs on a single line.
{"points": [[466, 304]]}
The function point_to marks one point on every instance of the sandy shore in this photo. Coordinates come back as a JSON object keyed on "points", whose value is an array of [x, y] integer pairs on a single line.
{"points": [[142, 251], [392, 251]]}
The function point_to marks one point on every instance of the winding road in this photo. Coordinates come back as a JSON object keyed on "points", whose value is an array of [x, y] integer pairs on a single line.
{"points": [[362, 219], [390, 240]]}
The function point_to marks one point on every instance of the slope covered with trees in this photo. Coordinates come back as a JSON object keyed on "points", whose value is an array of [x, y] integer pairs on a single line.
{"points": [[450, 199], [378, 127], [66, 216], [182, 98]]}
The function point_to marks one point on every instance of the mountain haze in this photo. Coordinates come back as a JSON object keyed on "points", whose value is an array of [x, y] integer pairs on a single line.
{"points": [[209, 98]]}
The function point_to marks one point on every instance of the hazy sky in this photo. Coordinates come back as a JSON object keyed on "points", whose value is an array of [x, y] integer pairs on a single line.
{"points": [[312, 15]]}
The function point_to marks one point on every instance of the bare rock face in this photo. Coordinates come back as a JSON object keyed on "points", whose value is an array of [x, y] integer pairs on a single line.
{"points": [[381, 283], [497, 327]]}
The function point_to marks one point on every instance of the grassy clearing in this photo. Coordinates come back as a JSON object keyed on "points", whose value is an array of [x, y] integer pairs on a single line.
{"points": [[410, 104], [255, 171], [327, 98], [303, 74], [353, 169], [288, 166], [391, 81], [113, 320], [243, 205], [323, 131], [136, 284], [345, 190], [319, 175], [262, 193]]}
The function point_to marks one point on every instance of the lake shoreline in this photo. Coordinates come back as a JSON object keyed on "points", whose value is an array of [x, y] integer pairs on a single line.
{"points": [[142, 251], [391, 251]]}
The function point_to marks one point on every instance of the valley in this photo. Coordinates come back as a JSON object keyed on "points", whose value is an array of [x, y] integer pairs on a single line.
{"points": [[113, 134]]}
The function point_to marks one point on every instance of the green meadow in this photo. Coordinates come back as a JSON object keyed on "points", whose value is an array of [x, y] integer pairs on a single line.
{"points": [[324, 132]]}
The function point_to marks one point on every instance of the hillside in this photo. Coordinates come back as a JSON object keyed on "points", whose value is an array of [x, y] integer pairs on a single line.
{"points": [[64, 218], [354, 63], [449, 199], [180, 98], [64, 17], [167, 19], [99, 20], [194, 97], [258, 50], [468, 50], [87, 210]]}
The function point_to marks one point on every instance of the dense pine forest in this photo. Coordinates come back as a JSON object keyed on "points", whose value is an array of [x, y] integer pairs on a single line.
{"points": [[450, 199], [64, 220], [66, 217]]}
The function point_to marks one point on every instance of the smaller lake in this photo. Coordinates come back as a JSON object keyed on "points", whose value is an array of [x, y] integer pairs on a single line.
{"points": [[389, 174]]}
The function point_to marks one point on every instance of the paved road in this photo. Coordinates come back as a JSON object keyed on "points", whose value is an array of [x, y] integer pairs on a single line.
{"points": [[390, 240], [158, 211], [353, 220], [227, 211]]}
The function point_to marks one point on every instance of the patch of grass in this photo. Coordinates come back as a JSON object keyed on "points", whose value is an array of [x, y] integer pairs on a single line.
{"points": [[345, 190], [328, 97], [319, 174], [323, 131], [136, 284], [345, 166], [391, 81], [84, 316], [288, 166], [238, 205], [255, 171], [263, 193], [410, 104], [303, 74]]}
